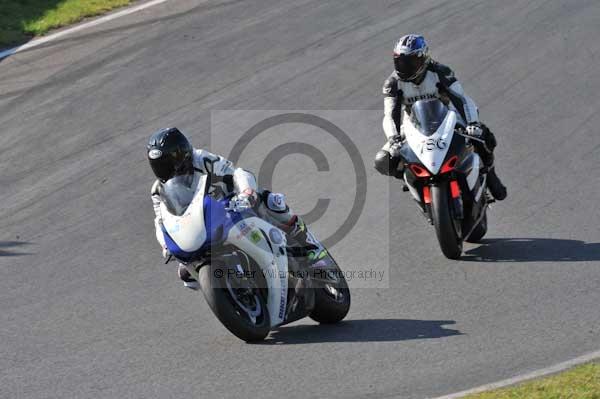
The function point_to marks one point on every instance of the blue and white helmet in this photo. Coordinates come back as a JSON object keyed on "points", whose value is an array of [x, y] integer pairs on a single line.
{"points": [[411, 55]]}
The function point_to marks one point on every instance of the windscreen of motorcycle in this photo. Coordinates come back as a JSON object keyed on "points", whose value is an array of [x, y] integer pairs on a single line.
{"points": [[428, 115], [178, 192]]}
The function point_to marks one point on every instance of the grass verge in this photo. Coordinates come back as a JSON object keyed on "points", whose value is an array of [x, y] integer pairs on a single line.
{"points": [[582, 382], [20, 20]]}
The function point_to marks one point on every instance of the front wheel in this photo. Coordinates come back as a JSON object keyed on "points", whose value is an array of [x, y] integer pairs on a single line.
{"points": [[445, 225], [236, 301], [332, 295]]}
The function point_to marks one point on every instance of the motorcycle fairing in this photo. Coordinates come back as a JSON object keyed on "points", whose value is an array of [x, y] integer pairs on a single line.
{"points": [[431, 150], [207, 222], [473, 172], [252, 235], [199, 227], [186, 234]]}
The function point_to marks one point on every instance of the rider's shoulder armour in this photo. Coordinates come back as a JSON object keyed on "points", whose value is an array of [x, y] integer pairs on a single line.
{"points": [[156, 187], [390, 86], [444, 73]]}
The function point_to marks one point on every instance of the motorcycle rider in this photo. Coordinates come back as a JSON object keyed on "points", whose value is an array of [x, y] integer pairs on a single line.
{"points": [[418, 77], [171, 154]]}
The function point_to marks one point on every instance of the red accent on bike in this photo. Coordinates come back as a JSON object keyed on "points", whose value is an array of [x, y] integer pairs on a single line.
{"points": [[419, 171], [449, 165], [454, 189], [427, 194]]}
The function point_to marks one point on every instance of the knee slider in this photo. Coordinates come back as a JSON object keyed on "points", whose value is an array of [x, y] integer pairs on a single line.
{"points": [[276, 202], [156, 188], [385, 163]]}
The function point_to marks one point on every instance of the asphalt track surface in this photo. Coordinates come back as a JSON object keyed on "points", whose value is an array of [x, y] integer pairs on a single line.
{"points": [[89, 310]]}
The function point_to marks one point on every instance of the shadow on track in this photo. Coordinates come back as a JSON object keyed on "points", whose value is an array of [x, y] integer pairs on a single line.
{"points": [[7, 248], [376, 330], [533, 250]]}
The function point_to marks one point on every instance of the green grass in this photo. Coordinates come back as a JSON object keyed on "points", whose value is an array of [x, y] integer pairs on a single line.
{"points": [[22, 19], [582, 382]]}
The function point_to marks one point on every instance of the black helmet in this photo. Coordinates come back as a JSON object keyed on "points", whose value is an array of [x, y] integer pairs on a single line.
{"points": [[169, 153]]}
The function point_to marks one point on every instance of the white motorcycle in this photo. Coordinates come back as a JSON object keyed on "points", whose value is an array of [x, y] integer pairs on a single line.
{"points": [[243, 263], [445, 175]]}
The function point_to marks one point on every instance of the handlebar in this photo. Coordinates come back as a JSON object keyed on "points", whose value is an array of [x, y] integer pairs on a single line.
{"points": [[461, 132]]}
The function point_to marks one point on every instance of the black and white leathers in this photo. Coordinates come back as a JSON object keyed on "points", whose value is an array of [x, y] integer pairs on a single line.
{"points": [[437, 82]]}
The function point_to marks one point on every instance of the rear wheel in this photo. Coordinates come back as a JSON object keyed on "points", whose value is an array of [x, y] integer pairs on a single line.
{"points": [[446, 228], [479, 230], [236, 301], [332, 295]]}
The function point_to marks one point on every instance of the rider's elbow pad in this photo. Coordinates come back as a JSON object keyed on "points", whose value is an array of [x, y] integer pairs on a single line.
{"points": [[243, 180]]}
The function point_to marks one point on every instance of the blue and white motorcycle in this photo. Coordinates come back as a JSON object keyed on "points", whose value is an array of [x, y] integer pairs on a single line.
{"points": [[243, 263]]}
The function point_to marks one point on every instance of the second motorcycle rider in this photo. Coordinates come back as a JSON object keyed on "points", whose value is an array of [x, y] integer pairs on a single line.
{"points": [[418, 77]]}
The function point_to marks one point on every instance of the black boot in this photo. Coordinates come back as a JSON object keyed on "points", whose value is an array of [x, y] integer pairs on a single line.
{"points": [[497, 189], [486, 152]]}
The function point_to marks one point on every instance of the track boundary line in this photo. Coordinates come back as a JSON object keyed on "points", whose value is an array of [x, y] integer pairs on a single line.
{"points": [[68, 31], [527, 376]]}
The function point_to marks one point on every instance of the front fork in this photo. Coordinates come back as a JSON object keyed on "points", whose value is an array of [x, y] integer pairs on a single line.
{"points": [[456, 201]]}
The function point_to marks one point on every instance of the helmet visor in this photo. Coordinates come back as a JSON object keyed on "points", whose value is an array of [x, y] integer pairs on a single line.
{"points": [[163, 168], [167, 166], [408, 65]]}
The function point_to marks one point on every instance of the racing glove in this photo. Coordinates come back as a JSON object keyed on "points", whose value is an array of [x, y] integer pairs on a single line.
{"points": [[474, 130], [244, 200], [395, 143]]}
